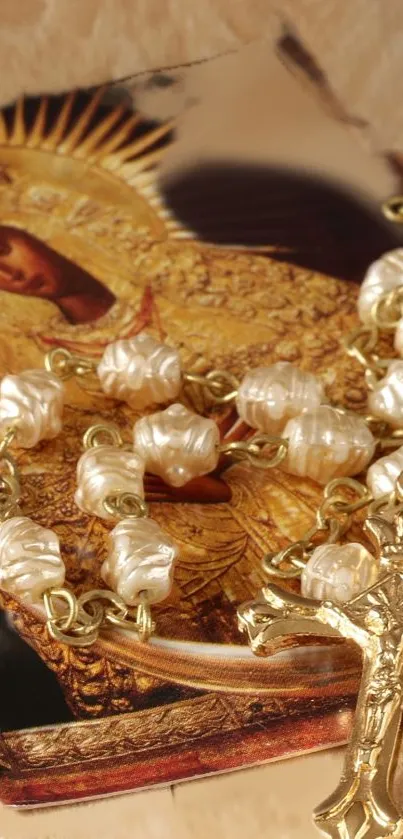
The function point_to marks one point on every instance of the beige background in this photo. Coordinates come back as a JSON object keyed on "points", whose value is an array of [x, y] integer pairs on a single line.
{"points": [[53, 45]]}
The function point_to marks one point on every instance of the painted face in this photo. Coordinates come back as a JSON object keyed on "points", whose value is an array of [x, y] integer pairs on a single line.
{"points": [[28, 266]]}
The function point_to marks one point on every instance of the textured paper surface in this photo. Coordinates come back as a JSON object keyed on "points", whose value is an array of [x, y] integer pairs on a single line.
{"points": [[358, 46], [252, 108], [54, 45]]}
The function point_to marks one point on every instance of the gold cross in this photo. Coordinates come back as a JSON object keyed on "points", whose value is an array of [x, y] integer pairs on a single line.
{"points": [[361, 807]]}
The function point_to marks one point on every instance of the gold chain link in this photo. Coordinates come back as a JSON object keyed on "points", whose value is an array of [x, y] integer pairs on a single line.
{"points": [[10, 487], [139, 621], [102, 435], [387, 310], [8, 438], [257, 451], [391, 440], [66, 365], [220, 385], [360, 344], [333, 518], [125, 505], [77, 622]]}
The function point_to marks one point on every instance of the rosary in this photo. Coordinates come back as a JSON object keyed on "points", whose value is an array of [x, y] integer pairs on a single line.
{"points": [[348, 589]]}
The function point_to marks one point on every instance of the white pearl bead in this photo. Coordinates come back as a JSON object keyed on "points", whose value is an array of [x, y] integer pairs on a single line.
{"points": [[105, 471], [269, 396], [141, 559], [35, 400], [140, 371], [398, 339], [382, 276], [30, 560], [338, 572], [386, 400], [177, 444], [327, 443], [383, 474]]}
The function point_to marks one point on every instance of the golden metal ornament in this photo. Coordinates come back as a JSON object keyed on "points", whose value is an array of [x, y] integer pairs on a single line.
{"points": [[362, 806], [263, 451], [76, 621], [10, 488]]}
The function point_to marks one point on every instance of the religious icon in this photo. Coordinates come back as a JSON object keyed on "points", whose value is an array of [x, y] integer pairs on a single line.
{"points": [[32, 268], [89, 254]]}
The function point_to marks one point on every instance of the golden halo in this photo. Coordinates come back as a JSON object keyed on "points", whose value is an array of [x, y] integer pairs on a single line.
{"points": [[106, 148]]}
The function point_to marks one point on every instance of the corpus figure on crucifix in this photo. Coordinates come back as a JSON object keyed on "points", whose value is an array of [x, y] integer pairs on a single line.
{"points": [[362, 805]]}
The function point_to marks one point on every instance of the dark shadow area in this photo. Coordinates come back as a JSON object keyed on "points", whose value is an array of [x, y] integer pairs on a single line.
{"points": [[29, 692], [307, 221]]}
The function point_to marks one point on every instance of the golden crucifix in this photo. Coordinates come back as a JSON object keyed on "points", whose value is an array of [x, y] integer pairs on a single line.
{"points": [[362, 805]]}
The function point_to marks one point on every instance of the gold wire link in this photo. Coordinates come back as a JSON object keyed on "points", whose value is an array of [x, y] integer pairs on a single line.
{"points": [[360, 344], [256, 451], [387, 309], [294, 555], [339, 503], [298, 553], [391, 441], [8, 438], [100, 435], [68, 623], [66, 365], [388, 504], [10, 487], [77, 622], [399, 488], [125, 505], [220, 385], [333, 518], [55, 602], [9, 498], [139, 619]]}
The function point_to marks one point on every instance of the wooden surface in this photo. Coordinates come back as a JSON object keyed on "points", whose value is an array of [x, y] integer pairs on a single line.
{"points": [[268, 802]]}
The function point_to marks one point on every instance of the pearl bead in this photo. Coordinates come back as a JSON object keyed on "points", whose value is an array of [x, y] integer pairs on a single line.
{"points": [[338, 572], [140, 371], [383, 474], [141, 559], [327, 443], [382, 276], [398, 339], [35, 400], [105, 471], [30, 560], [386, 400], [177, 444], [269, 396]]}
